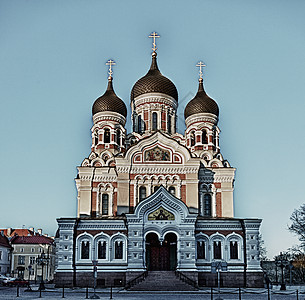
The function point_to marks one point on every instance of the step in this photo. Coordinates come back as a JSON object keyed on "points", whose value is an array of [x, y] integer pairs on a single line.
{"points": [[162, 281]]}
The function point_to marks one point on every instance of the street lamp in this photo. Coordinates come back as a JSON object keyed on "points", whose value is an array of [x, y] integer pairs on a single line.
{"points": [[94, 263], [282, 262], [42, 260]]}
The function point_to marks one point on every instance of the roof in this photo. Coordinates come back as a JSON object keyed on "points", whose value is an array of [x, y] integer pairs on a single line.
{"points": [[4, 241], [20, 232], [35, 239]]}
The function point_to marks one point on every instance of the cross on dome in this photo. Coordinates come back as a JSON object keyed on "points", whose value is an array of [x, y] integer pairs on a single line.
{"points": [[200, 64], [154, 35], [110, 63]]}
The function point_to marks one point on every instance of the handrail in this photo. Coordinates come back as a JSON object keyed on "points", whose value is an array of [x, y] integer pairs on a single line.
{"points": [[186, 279], [136, 280]]}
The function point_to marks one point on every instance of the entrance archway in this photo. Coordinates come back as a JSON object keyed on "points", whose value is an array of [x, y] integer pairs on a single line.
{"points": [[161, 257]]}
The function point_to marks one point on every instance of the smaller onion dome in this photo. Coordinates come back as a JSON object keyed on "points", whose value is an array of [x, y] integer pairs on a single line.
{"points": [[154, 82], [201, 103], [109, 102]]}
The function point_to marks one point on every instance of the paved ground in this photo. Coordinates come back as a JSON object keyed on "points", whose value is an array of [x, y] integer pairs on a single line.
{"points": [[255, 294]]}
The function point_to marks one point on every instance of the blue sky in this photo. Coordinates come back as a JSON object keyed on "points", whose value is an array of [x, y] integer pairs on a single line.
{"points": [[52, 59]]}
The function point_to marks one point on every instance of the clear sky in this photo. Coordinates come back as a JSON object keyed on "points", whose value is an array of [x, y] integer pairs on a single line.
{"points": [[52, 68]]}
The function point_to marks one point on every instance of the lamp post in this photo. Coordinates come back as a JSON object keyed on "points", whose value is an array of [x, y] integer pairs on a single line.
{"points": [[42, 260], [282, 262], [94, 263]]}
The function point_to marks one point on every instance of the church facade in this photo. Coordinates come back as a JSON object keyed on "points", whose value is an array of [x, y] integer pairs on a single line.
{"points": [[155, 199]]}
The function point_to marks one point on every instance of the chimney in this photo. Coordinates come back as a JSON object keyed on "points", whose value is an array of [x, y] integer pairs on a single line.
{"points": [[39, 231], [9, 231], [31, 229]]}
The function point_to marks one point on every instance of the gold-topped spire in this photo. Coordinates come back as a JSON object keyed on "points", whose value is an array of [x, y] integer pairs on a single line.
{"points": [[154, 35], [110, 63], [200, 64]]}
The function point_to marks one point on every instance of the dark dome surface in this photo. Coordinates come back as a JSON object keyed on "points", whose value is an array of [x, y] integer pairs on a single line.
{"points": [[201, 103], [109, 102], [154, 82]]}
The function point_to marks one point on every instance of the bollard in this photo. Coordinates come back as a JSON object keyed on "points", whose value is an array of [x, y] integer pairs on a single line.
{"points": [[40, 293], [268, 292], [297, 294], [239, 293], [87, 294], [63, 292], [211, 293], [111, 292], [17, 290]]}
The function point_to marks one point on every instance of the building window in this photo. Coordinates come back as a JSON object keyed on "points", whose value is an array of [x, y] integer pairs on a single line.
{"points": [[105, 204], [207, 201], [101, 250], [0, 255], [169, 123], [32, 250], [172, 190], [85, 250], [200, 250], [139, 124], [204, 137], [32, 260], [217, 250], [96, 138], [192, 137], [233, 250], [142, 192], [21, 260], [118, 137], [154, 121], [21, 249], [118, 246], [107, 136]]}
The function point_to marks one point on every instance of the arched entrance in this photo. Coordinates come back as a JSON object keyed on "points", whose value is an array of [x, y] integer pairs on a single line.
{"points": [[161, 257]]}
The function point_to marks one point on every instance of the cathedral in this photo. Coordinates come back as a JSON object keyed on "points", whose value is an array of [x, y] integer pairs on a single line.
{"points": [[154, 199]]}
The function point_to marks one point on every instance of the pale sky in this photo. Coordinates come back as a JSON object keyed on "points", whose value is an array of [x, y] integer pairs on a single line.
{"points": [[52, 68]]}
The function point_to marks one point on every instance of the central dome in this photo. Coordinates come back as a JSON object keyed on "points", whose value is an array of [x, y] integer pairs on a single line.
{"points": [[154, 82]]}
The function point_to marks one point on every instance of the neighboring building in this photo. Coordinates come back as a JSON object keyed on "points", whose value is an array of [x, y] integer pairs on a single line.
{"points": [[10, 232], [155, 199], [5, 255], [26, 252]]}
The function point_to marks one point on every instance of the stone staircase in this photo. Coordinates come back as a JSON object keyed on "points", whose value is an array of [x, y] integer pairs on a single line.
{"points": [[162, 281]]}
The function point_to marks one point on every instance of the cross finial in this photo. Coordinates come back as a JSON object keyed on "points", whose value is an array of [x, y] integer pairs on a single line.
{"points": [[110, 63], [154, 35], [200, 64]]}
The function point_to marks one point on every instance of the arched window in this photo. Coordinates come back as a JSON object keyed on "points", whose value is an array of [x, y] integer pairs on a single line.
{"points": [[118, 137], [118, 250], [217, 249], [96, 138], [105, 204], [233, 250], [172, 190], [107, 135], [169, 123], [200, 250], [142, 192], [154, 121], [139, 124], [101, 250], [192, 138], [85, 248], [204, 137], [207, 205]]}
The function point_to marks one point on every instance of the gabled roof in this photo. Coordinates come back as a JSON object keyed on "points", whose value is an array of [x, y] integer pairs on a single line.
{"points": [[4, 241], [35, 239], [17, 231]]}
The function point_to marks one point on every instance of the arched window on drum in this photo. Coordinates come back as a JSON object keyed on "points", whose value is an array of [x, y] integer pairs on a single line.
{"points": [[207, 205]]}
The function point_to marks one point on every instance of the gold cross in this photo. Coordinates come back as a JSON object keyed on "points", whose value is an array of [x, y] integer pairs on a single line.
{"points": [[110, 63], [154, 35], [200, 64]]}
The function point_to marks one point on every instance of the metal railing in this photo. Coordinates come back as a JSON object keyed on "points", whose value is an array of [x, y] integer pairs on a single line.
{"points": [[136, 280], [186, 279]]}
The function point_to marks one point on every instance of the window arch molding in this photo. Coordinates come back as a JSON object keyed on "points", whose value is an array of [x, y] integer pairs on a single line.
{"points": [[205, 189], [215, 239], [102, 237], [105, 189], [80, 242], [115, 240], [235, 238], [203, 238]]}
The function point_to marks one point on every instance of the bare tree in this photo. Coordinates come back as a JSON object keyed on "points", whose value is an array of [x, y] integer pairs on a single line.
{"points": [[298, 224]]}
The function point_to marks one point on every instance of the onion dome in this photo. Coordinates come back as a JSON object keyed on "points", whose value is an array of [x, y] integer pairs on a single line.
{"points": [[201, 103], [154, 82], [109, 102]]}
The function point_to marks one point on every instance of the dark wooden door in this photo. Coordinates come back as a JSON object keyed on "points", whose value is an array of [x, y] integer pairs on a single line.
{"points": [[159, 259]]}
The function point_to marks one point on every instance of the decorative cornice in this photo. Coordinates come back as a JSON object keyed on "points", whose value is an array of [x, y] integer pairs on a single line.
{"points": [[198, 118], [156, 99], [159, 170], [215, 179], [109, 116], [105, 178]]}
